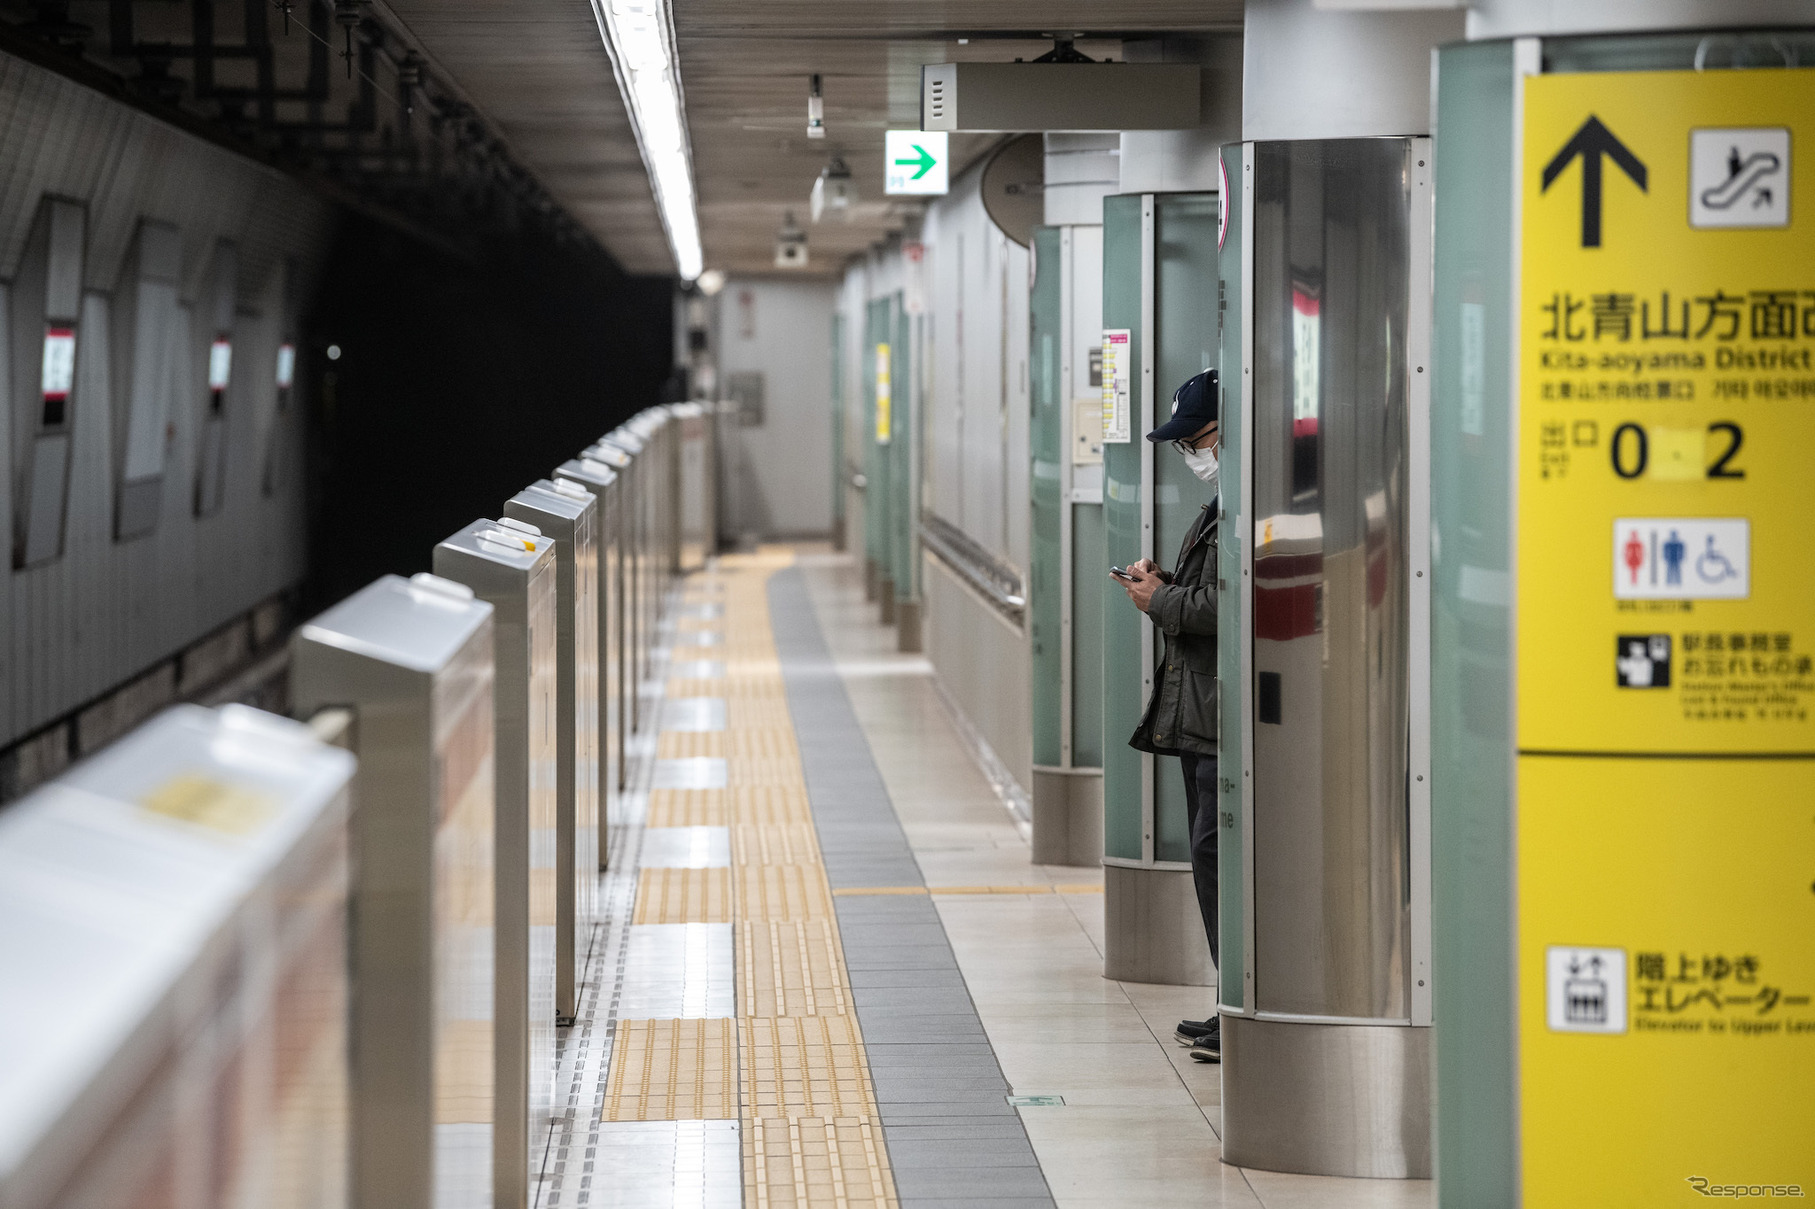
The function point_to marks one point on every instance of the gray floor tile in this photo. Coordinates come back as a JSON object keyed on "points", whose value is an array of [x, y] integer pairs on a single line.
{"points": [[969, 1181], [960, 1152], [959, 1129], [949, 979], [930, 1059]]}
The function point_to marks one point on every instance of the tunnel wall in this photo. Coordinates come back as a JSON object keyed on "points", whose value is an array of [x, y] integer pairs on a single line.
{"points": [[161, 530], [103, 608], [460, 380]]}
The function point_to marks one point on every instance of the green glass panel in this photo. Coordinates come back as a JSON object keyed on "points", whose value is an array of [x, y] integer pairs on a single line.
{"points": [[1471, 638], [905, 423], [1048, 502], [1123, 695], [838, 421], [876, 463], [1184, 345], [1685, 50], [1230, 623], [866, 384], [1090, 556]]}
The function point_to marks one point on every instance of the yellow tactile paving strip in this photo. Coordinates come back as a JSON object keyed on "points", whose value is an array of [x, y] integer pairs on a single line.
{"points": [[755, 713], [687, 808], [811, 1132], [802, 968], [775, 843], [750, 805], [803, 1066], [673, 1070], [732, 688], [683, 896], [739, 745], [859, 891], [770, 805], [781, 892], [819, 1155]]}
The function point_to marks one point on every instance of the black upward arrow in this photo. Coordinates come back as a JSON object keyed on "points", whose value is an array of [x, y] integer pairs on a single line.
{"points": [[1592, 142]]}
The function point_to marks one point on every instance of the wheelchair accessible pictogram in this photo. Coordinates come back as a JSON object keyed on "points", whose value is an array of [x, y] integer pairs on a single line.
{"points": [[1712, 567]]}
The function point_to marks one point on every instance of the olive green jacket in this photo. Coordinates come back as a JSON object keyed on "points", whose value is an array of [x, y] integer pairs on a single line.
{"points": [[1181, 716]]}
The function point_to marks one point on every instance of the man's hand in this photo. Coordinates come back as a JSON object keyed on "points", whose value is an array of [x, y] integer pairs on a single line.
{"points": [[1144, 577]]}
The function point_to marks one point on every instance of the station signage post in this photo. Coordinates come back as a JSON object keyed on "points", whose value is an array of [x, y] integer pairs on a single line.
{"points": [[1664, 637]]}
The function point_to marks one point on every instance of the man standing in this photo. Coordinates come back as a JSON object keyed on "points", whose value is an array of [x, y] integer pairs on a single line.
{"points": [[1181, 716]]}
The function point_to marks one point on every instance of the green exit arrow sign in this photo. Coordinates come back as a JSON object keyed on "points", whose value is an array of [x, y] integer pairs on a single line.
{"points": [[914, 161], [922, 163]]}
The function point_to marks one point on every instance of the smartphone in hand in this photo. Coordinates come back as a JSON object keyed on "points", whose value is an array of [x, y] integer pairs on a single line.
{"points": [[1121, 573]]}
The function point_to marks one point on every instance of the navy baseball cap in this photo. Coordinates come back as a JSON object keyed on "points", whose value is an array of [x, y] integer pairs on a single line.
{"points": [[1193, 406]]}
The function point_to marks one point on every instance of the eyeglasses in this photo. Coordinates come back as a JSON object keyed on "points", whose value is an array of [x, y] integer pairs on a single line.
{"points": [[1189, 444]]}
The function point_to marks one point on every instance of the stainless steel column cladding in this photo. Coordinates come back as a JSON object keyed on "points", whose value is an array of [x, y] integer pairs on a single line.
{"points": [[413, 660], [1328, 1062], [511, 566], [566, 511], [608, 490], [173, 930]]}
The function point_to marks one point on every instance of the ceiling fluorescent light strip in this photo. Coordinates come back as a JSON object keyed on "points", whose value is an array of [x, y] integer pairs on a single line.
{"points": [[639, 37]]}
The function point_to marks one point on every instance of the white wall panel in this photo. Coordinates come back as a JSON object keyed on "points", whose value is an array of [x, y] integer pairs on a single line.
{"points": [[977, 414], [975, 426], [77, 626], [777, 469], [985, 665]]}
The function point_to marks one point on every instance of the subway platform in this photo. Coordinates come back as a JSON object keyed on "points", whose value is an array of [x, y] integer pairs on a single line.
{"points": [[828, 974]]}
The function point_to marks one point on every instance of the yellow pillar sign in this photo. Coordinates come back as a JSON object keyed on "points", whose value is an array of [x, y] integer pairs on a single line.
{"points": [[1666, 636], [884, 399]]}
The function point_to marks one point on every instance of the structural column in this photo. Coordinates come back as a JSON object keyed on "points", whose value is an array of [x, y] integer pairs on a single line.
{"points": [[1623, 755], [1159, 325], [1069, 551], [1324, 866]]}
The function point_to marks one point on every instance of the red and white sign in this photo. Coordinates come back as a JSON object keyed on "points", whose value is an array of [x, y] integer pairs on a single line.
{"points": [[1117, 368], [220, 363], [59, 374]]}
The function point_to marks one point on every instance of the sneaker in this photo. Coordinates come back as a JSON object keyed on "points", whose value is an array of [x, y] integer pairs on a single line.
{"points": [[1208, 1049], [1189, 1031]]}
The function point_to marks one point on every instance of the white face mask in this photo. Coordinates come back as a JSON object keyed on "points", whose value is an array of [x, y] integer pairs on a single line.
{"points": [[1203, 464]]}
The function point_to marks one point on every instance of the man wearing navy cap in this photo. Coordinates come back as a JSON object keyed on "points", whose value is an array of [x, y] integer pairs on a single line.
{"points": [[1181, 716]]}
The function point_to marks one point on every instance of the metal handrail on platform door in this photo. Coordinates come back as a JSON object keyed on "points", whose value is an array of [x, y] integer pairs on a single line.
{"points": [[996, 581]]}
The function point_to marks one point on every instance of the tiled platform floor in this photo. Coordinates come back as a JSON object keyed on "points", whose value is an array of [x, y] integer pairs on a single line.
{"points": [[857, 929]]}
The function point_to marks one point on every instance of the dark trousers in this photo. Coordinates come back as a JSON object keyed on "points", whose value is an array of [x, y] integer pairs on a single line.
{"points": [[1200, 809]]}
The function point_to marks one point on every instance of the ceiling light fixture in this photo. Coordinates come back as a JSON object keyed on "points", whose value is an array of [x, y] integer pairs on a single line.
{"points": [[816, 110], [832, 190], [639, 36], [790, 245]]}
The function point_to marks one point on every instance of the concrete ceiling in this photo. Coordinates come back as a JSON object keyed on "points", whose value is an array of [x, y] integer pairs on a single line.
{"points": [[539, 73]]}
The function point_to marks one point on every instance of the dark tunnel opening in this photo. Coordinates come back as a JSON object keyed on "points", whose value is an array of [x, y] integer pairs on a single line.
{"points": [[457, 382]]}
